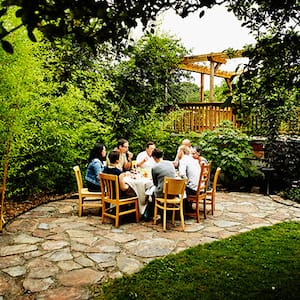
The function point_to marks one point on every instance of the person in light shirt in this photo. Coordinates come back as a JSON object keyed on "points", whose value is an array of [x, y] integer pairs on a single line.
{"points": [[187, 143], [188, 168], [124, 162], [144, 159]]}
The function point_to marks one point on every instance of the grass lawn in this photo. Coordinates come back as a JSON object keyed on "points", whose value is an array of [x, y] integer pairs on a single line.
{"points": [[261, 264]]}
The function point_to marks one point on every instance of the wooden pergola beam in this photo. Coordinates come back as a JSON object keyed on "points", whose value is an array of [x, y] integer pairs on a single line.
{"points": [[191, 63], [205, 70], [214, 56]]}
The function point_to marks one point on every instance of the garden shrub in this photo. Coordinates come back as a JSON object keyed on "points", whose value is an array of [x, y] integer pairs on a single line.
{"points": [[229, 149], [283, 154], [292, 193]]}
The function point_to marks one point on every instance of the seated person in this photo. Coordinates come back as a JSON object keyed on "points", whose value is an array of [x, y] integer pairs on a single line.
{"points": [[144, 159], [96, 165], [125, 159], [125, 190], [162, 169], [189, 169], [186, 143], [196, 153]]}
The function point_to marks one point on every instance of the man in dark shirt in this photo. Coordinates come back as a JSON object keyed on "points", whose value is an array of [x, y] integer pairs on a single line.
{"points": [[125, 190], [162, 169]]}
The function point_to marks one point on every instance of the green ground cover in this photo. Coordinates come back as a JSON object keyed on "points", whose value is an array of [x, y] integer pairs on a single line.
{"points": [[261, 264]]}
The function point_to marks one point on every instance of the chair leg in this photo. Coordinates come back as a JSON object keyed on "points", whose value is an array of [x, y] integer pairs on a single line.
{"points": [[117, 216], [103, 212], [173, 217], [155, 214], [204, 207], [181, 217], [80, 206], [212, 206], [197, 212], [137, 212], [165, 220]]}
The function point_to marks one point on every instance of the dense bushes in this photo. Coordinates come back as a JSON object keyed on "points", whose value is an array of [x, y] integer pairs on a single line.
{"points": [[229, 149], [283, 154], [292, 193], [56, 103]]}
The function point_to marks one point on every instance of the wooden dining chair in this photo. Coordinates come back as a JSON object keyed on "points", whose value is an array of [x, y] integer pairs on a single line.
{"points": [[86, 199], [200, 196], [112, 203], [172, 201], [211, 193]]}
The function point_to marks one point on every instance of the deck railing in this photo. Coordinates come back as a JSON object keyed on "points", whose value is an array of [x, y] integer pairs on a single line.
{"points": [[198, 117]]}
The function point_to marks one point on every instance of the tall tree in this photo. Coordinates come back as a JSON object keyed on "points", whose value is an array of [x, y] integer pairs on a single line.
{"points": [[91, 22], [45, 127], [269, 87], [144, 80], [270, 84]]}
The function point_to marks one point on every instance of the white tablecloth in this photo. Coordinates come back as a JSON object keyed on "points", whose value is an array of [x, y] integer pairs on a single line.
{"points": [[140, 185]]}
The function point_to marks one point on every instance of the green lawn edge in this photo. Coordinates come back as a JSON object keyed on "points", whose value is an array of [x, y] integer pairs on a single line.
{"points": [[260, 264]]}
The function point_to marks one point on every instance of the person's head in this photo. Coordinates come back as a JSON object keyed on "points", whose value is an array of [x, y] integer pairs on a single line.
{"points": [[123, 145], [99, 151], [186, 142], [114, 157], [149, 148], [196, 152], [185, 150], [157, 154]]}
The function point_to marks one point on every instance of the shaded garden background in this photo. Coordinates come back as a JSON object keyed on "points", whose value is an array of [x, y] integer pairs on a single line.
{"points": [[61, 95]]}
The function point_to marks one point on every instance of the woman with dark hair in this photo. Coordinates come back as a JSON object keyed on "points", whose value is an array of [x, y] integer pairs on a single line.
{"points": [[96, 165]]}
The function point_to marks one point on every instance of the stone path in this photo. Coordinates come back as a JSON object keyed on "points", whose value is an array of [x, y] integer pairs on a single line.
{"points": [[51, 253]]}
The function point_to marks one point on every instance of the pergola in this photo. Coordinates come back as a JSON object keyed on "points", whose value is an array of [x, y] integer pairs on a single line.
{"points": [[193, 64]]}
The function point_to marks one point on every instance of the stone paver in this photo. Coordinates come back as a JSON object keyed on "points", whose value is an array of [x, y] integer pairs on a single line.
{"points": [[51, 253]]}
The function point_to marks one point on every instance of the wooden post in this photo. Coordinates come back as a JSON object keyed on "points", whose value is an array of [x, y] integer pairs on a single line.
{"points": [[228, 82], [211, 82], [201, 87]]}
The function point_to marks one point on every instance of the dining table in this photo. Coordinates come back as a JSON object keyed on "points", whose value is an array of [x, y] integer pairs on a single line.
{"points": [[140, 183]]}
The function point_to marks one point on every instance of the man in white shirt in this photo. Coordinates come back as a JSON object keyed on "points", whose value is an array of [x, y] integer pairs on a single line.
{"points": [[186, 143], [190, 169], [145, 159]]}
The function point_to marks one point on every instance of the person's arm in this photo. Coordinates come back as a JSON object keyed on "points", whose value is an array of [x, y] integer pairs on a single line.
{"points": [[154, 177], [98, 167], [123, 185], [182, 168], [176, 160], [128, 163], [139, 159]]}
